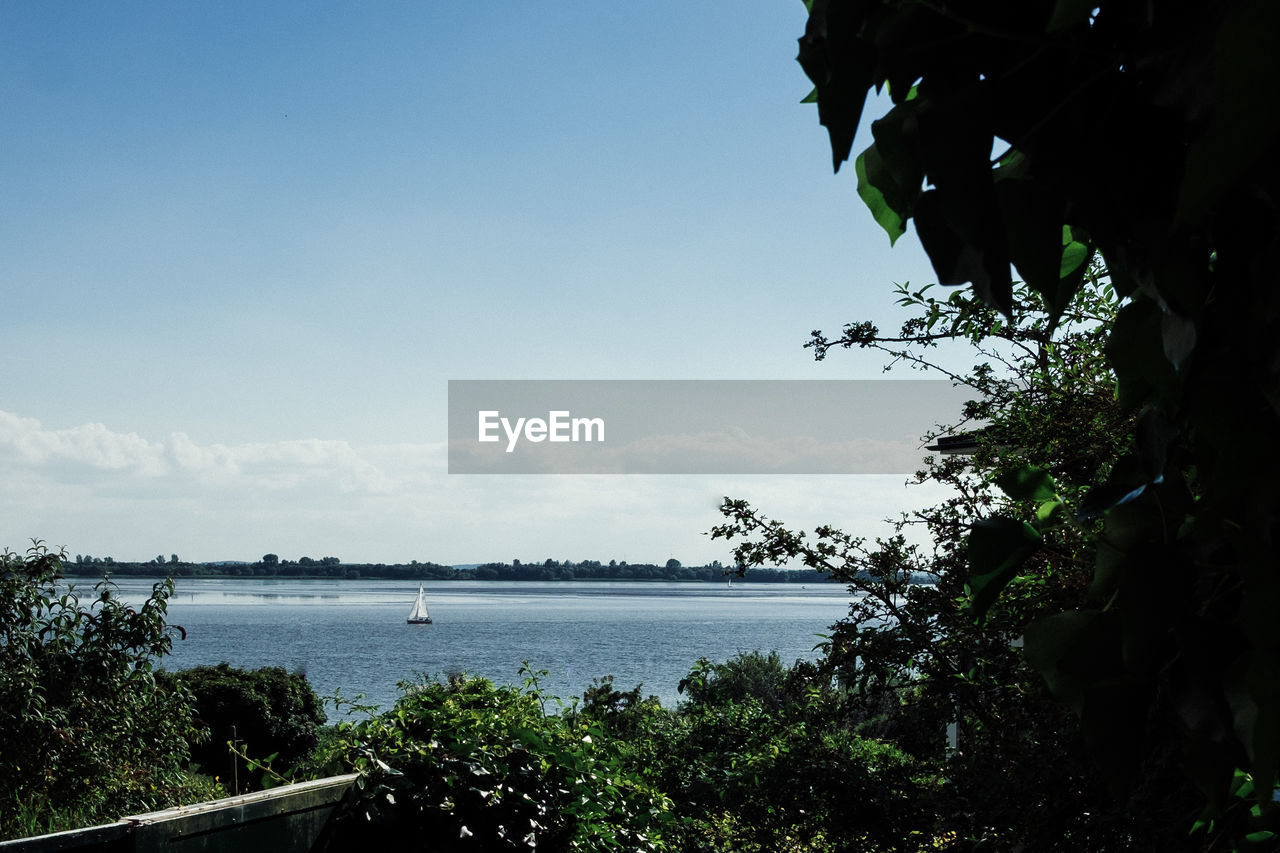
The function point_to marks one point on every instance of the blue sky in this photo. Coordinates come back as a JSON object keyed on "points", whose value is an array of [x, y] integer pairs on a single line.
{"points": [[243, 247]]}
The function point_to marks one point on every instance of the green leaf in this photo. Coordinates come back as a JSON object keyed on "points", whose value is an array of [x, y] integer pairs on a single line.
{"points": [[1050, 511], [997, 548], [812, 97], [1074, 253], [890, 178], [1028, 483], [893, 222]]}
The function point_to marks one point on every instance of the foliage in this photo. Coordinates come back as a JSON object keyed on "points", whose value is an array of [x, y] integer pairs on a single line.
{"points": [[1132, 131], [760, 758], [471, 766], [748, 676], [331, 567], [267, 713], [89, 733], [933, 630]]}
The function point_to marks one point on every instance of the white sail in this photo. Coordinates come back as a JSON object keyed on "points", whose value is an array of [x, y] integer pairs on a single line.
{"points": [[419, 612]]}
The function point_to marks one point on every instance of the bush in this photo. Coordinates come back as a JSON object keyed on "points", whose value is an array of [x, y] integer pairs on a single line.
{"points": [[760, 758], [268, 714], [750, 675], [471, 766], [89, 733]]}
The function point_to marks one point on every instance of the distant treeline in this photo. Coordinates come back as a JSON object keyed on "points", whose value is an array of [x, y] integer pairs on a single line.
{"points": [[331, 567]]}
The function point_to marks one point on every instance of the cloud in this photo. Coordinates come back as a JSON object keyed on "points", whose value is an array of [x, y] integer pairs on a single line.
{"points": [[105, 492], [84, 452], [24, 441]]}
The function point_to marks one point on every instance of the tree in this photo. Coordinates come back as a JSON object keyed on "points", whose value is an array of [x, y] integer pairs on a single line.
{"points": [[911, 653], [1130, 131], [89, 733], [270, 560]]}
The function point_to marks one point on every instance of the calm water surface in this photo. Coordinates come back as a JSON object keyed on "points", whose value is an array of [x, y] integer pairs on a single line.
{"points": [[352, 635]]}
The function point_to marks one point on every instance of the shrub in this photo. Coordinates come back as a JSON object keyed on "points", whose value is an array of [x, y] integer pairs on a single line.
{"points": [[268, 714], [760, 758], [89, 732], [472, 766]]}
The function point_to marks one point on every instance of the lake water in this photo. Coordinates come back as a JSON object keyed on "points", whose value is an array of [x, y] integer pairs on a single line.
{"points": [[352, 635]]}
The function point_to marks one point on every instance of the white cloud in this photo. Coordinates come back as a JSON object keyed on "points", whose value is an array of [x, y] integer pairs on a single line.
{"points": [[129, 496], [23, 440], [84, 450]]}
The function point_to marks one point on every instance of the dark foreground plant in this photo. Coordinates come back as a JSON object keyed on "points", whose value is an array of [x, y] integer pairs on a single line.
{"points": [[1027, 135]]}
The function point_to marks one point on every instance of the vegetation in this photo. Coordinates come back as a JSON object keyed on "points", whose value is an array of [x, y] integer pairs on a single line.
{"points": [[919, 657], [757, 759], [1131, 133], [767, 757], [850, 752], [1099, 633], [331, 567], [89, 732], [255, 724], [465, 765]]}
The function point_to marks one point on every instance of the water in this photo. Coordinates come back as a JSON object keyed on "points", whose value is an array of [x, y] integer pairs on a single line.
{"points": [[352, 635]]}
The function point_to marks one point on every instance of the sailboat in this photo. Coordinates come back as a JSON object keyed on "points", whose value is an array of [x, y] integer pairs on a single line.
{"points": [[419, 616]]}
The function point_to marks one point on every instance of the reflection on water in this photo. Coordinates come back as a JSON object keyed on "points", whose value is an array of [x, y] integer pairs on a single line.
{"points": [[352, 635]]}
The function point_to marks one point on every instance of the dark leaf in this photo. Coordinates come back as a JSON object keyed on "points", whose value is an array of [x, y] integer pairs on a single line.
{"points": [[1068, 13], [1179, 336], [1135, 349], [1246, 62], [841, 66], [1154, 435], [1033, 228], [1108, 496], [997, 548], [889, 177], [956, 261], [1028, 483], [1074, 649]]}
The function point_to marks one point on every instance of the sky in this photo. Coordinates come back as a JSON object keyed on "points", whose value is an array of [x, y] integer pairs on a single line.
{"points": [[245, 246]]}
